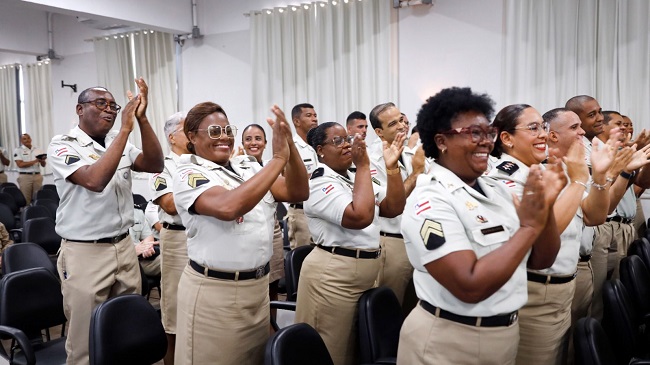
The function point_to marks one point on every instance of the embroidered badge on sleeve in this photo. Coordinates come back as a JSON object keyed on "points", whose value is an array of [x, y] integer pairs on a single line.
{"points": [[432, 235]]}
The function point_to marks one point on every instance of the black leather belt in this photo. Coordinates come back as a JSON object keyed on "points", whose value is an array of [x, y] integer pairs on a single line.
{"points": [[258, 273], [359, 254], [29, 173], [173, 227], [394, 235], [585, 258], [115, 239], [618, 218], [296, 206], [549, 279], [503, 320]]}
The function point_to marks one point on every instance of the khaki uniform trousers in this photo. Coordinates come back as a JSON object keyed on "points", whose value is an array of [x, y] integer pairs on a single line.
{"points": [[607, 236], [428, 340], [151, 267], [639, 220], [624, 234], [299, 234], [173, 256], [396, 270], [584, 292], [91, 273], [221, 322], [328, 293], [544, 324], [3, 177], [277, 258], [29, 185]]}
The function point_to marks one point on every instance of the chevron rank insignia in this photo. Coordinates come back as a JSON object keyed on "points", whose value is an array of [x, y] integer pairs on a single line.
{"points": [[508, 167], [70, 159], [160, 183], [432, 234], [196, 180]]}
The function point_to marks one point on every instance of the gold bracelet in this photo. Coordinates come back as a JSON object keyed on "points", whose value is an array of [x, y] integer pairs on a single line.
{"points": [[394, 171]]}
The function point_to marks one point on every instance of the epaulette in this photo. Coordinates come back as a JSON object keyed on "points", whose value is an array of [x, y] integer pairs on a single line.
{"points": [[508, 167], [317, 173]]}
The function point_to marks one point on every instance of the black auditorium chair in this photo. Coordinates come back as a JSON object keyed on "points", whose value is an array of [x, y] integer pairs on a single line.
{"points": [[126, 330], [15, 193], [31, 301], [140, 201], [48, 187], [26, 255], [380, 320], [41, 232], [636, 279], [2, 185], [8, 200], [298, 344], [623, 323], [47, 194], [51, 205], [9, 220], [34, 211], [292, 265], [641, 248], [591, 344]]}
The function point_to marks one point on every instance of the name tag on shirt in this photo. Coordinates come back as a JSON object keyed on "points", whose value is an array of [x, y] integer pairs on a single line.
{"points": [[491, 235]]}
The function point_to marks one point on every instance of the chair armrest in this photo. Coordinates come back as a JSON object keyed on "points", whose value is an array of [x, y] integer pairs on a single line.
{"points": [[22, 341], [16, 234], [278, 304], [635, 361]]}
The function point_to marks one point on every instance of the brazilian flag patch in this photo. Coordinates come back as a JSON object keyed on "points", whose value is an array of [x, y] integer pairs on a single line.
{"points": [[432, 235], [70, 159], [196, 180], [160, 183]]}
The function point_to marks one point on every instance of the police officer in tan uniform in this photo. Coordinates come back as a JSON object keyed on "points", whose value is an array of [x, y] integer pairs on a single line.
{"points": [[304, 118], [4, 161], [342, 210], [396, 270], [92, 172], [228, 207], [28, 159], [173, 241], [468, 243]]}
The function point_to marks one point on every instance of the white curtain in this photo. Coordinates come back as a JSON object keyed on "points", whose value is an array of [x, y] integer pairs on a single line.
{"points": [[115, 66], [122, 58], [336, 57], [9, 132], [38, 102], [556, 49], [155, 56]]}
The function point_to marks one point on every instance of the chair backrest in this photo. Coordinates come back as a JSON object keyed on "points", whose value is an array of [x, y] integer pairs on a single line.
{"points": [[619, 320], [591, 344], [47, 194], [26, 255], [41, 231], [641, 248], [292, 266], [7, 217], [18, 196], [126, 330], [140, 201], [8, 200], [51, 205], [636, 279], [297, 344], [8, 184], [48, 187], [31, 300], [280, 212], [34, 211], [380, 320]]}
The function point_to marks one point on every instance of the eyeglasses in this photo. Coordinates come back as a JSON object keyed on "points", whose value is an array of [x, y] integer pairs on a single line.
{"points": [[338, 140], [101, 104], [216, 131], [536, 128], [476, 133]]}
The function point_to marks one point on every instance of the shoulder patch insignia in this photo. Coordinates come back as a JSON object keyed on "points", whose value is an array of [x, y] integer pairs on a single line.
{"points": [[197, 179], [508, 167], [70, 159], [432, 235], [160, 183], [317, 173], [374, 179]]}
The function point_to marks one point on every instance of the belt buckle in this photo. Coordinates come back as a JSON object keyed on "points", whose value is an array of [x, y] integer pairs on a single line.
{"points": [[513, 318], [115, 239], [378, 253], [259, 272]]}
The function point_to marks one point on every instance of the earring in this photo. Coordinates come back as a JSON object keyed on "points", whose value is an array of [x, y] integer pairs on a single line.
{"points": [[321, 156], [444, 150], [509, 145]]}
